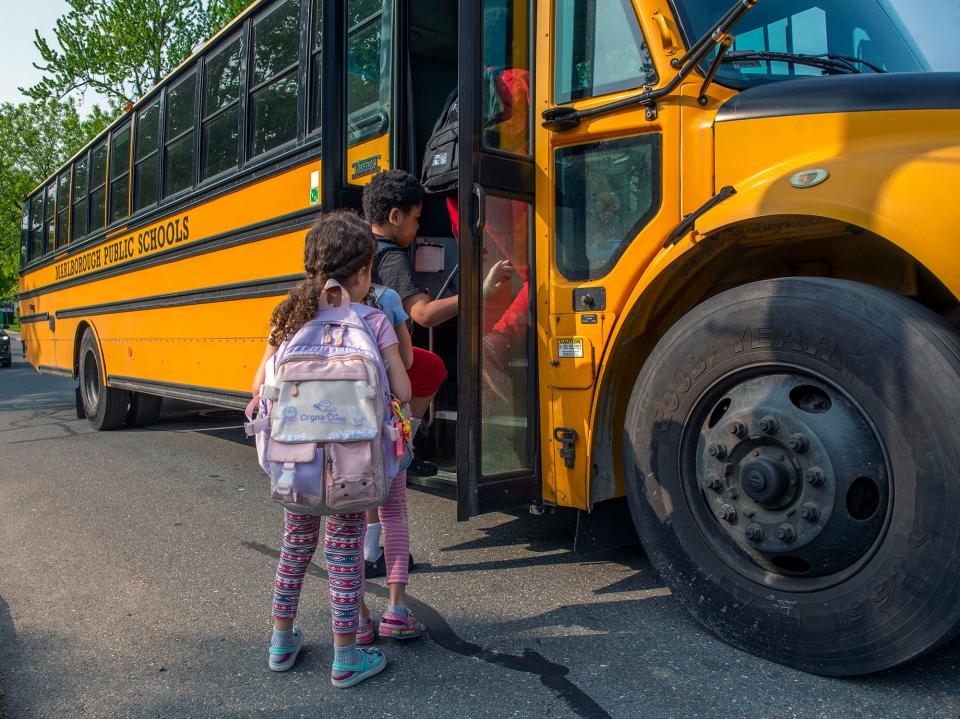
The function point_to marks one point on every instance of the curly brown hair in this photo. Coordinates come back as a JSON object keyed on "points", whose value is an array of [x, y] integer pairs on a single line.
{"points": [[337, 247]]}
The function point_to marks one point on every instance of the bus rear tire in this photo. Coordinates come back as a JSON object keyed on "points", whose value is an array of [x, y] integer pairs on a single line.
{"points": [[793, 471], [144, 409], [105, 407]]}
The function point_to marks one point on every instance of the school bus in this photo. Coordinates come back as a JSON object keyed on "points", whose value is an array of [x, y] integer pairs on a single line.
{"points": [[732, 328]]}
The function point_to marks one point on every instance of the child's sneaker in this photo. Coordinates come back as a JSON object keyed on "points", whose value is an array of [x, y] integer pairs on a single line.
{"points": [[393, 626], [283, 658], [371, 662], [365, 633]]}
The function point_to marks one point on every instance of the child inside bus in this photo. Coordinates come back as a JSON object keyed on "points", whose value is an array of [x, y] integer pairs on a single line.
{"points": [[392, 202], [339, 246]]}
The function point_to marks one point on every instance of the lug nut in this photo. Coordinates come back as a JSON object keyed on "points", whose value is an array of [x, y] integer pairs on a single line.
{"points": [[713, 483], [810, 512], [754, 532], [785, 533], [737, 429], [728, 514], [798, 443], [814, 476], [769, 425], [718, 451]]}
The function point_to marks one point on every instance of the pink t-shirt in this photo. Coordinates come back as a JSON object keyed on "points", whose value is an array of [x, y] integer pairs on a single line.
{"points": [[383, 331]]}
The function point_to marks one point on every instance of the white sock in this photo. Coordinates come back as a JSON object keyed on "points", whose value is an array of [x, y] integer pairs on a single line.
{"points": [[414, 426], [371, 543]]}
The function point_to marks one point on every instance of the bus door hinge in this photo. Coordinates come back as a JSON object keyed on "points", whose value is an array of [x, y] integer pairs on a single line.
{"points": [[567, 438]]}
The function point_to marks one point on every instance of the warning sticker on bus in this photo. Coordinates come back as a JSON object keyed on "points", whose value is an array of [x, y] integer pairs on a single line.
{"points": [[570, 347]]}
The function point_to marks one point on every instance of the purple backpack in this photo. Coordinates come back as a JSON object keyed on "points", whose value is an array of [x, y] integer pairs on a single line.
{"points": [[325, 432]]}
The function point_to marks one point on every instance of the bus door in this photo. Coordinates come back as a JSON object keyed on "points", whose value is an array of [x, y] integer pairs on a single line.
{"points": [[606, 213], [497, 447]]}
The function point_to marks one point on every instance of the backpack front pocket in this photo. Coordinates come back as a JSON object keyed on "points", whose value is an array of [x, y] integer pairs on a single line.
{"points": [[296, 472], [350, 477], [328, 401]]}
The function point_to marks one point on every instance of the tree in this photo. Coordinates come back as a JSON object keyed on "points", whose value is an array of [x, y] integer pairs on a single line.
{"points": [[35, 139], [121, 48]]}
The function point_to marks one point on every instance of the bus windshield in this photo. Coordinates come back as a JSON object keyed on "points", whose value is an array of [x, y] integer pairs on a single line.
{"points": [[851, 35]]}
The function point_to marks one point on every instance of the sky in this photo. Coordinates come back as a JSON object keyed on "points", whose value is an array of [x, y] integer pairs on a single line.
{"points": [[935, 23]]}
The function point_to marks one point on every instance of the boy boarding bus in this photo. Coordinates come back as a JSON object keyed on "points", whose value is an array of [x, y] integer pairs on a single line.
{"points": [[732, 226]]}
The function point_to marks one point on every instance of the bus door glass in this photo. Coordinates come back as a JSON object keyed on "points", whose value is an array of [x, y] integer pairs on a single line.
{"points": [[497, 463], [369, 83]]}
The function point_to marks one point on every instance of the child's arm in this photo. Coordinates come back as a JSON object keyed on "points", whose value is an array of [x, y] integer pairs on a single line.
{"points": [[396, 373], [406, 344], [261, 374]]}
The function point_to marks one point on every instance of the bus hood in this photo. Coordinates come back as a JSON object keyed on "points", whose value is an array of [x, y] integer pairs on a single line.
{"points": [[846, 93], [879, 152]]}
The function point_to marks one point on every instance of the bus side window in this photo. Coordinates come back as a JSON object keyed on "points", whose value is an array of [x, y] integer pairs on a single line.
{"points": [[49, 224], [220, 129], [599, 49], [147, 162], [120, 174], [368, 71], [78, 218], [63, 207], [606, 193], [316, 50], [98, 187], [273, 98], [36, 225], [178, 156], [25, 234]]}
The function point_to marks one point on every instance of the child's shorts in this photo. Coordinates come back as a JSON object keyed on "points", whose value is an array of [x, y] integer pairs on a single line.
{"points": [[426, 374]]}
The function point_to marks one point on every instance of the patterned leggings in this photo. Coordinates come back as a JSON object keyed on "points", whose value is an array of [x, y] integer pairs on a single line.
{"points": [[343, 552]]}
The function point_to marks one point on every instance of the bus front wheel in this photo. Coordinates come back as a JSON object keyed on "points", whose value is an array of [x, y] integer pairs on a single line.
{"points": [[793, 471], [105, 407]]}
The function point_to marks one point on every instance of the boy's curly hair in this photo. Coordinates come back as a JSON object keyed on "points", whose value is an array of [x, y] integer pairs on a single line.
{"points": [[339, 245], [393, 188]]}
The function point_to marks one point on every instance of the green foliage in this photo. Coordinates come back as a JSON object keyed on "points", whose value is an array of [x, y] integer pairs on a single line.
{"points": [[121, 48]]}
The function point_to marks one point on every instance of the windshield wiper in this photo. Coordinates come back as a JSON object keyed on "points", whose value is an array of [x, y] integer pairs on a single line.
{"points": [[564, 117], [852, 60], [830, 63]]}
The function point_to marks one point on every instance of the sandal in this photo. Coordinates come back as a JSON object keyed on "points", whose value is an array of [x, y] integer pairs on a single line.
{"points": [[371, 662], [365, 633], [282, 658], [393, 626]]}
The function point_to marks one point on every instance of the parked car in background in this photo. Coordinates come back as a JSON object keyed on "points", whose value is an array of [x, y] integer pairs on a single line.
{"points": [[6, 353]]}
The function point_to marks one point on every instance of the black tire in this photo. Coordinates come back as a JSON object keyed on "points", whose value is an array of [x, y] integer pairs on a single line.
{"points": [[873, 577], [144, 409], [105, 407]]}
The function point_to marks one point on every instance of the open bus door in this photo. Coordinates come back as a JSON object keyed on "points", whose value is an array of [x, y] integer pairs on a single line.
{"points": [[497, 444]]}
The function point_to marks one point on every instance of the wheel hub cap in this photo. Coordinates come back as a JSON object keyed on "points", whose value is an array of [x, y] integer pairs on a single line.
{"points": [[791, 471]]}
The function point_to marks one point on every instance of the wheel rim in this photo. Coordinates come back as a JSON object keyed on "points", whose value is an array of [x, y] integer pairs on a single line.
{"points": [[91, 381], [786, 477]]}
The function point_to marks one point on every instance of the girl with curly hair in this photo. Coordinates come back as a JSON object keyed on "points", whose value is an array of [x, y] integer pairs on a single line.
{"points": [[341, 247]]}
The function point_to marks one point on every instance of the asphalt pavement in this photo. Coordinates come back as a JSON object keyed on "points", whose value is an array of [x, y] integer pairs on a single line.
{"points": [[136, 571]]}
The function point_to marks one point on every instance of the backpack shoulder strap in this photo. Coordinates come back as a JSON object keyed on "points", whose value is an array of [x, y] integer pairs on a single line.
{"points": [[377, 292], [385, 246]]}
